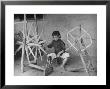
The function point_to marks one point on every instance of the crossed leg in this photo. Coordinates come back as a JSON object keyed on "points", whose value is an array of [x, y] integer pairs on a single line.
{"points": [[65, 58]]}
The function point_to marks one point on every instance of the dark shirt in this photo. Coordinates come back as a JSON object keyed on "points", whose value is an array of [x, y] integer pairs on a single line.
{"points": [[58, 45]]}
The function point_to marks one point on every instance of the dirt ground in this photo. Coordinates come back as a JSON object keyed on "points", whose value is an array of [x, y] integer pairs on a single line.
{"points": [[74, 62]]}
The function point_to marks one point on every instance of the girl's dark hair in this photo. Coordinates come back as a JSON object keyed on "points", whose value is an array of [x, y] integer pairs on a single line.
{"points": [[56, 33]]}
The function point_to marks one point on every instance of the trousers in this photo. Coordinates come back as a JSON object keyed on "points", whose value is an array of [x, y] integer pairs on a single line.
{"points": [[65, 56]]}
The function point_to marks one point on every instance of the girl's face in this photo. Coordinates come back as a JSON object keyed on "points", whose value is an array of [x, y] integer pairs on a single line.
{"points": [[55, 38]]}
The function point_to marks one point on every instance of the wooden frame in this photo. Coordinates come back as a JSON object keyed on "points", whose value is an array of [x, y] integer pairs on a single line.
{"points": [[4, 3], [29, 43]]}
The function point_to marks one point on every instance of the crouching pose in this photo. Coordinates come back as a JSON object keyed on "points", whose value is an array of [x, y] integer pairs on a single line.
{"points": [[59, 49]]}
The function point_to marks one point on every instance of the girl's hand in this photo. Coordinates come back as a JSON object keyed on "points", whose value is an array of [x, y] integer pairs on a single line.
{"points": [[58, 55]]}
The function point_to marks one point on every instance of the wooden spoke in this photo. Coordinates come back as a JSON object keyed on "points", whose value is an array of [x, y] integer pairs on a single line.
{"points": [[42, 49], [40, 54], [36, 53], [20, 47], [32, 49], [31, 44], [19, 42], [23, 32], [27, 54], [31, 52], [42, 42]]}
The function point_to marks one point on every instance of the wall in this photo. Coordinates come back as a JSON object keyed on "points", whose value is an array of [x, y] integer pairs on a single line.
{"points": [[65, 23]]}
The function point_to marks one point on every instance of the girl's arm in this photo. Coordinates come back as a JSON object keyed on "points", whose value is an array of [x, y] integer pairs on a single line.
{"points": [[60, 53], [62, 47]]}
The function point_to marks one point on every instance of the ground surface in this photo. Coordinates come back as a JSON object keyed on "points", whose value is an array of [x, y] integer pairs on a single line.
{"points": [[74, 62]]}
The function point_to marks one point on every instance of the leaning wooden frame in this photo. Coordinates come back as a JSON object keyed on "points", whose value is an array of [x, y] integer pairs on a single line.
{"points": [[79, 43], [28, 44]]}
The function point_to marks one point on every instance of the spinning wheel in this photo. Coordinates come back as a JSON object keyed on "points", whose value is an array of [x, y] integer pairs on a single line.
{"points": [[28, 44], [80, 40]]}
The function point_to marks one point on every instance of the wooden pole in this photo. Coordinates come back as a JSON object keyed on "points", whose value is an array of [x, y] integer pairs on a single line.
{"points": [[36, 26], [24, 42], [81, 56], [22, 58], [27, 54], [36, 29]]}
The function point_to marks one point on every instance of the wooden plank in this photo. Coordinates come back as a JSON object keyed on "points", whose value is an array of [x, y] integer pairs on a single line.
{"points": [[36, 66], [16, 22]]}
